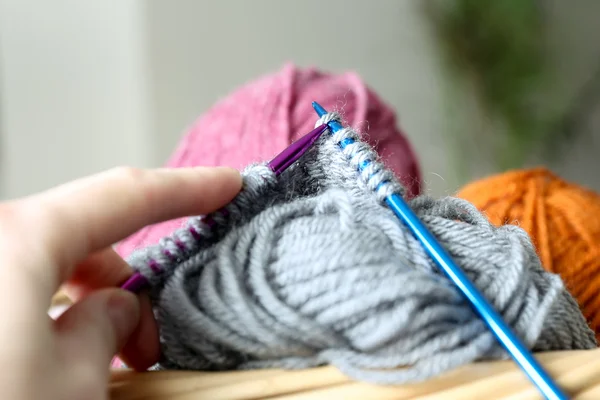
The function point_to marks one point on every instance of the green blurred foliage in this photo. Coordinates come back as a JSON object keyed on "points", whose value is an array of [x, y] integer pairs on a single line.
{"points": [[499, 47]]}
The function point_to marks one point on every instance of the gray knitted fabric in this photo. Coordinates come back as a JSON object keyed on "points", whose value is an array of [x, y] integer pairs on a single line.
{"points": [[312, 268]]}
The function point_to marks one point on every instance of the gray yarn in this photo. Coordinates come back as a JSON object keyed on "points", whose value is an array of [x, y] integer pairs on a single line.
{"points": [[312, 269]]}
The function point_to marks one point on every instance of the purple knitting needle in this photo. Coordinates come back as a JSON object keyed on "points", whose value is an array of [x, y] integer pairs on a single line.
{"points": [[296, 150], [278, 164]]}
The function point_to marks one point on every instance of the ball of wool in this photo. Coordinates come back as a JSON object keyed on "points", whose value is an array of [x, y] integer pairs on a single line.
{"points": [[312, 268], [261, 118], [563, 220]]}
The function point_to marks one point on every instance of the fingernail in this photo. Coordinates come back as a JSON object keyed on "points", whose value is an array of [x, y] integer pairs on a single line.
{"points": [[124, 313]]}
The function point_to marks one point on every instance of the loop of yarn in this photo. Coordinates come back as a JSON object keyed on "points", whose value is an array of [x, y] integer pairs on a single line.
{"points": [[313, 269], [562, 219], [373, 173]]}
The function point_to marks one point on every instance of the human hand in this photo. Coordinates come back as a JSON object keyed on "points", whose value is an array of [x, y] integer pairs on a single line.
{"points": [[62, 237]]}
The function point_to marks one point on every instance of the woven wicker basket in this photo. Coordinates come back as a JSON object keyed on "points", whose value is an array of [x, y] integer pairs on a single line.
{"points": [[578, 372]]}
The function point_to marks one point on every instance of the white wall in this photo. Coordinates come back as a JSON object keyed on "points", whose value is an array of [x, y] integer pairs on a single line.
{"points": [[73, 90]]}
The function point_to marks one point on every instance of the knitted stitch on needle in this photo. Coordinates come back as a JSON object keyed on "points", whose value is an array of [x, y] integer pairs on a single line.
{"points": [[313, 269]]}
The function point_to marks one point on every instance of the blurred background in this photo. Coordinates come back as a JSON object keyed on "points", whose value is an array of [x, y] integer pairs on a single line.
{"points": [[478, 86]]}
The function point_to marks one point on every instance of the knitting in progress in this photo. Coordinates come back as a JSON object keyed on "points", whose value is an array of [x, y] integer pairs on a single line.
{"points": [[265, 115], [562, 220], [312, 268]]}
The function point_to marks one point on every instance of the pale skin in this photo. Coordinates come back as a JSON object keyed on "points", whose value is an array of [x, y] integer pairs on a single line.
{"points": [[62, 238]]}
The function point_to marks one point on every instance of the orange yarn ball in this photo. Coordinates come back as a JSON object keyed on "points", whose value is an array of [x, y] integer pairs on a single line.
{"points": [[562, 219]]}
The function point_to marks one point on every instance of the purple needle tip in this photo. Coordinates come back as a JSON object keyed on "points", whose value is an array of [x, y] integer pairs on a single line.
{"points": [[296, 150], [136, 283]]}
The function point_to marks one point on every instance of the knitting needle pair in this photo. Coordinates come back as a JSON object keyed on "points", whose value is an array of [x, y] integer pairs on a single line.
{"points": [[280, 163], [435, 250]]}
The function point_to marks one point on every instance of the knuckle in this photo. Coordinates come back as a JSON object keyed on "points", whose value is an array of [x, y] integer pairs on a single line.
{"points": [[21, 222], [140, 185], [10, 215], [7, 210], [129, 174]]}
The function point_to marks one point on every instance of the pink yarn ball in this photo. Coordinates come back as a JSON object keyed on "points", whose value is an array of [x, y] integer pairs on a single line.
{"points": [[263, 117]]}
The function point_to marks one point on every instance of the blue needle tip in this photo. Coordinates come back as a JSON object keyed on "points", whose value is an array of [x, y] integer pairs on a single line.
{"points": [[319, 109], [333, 125]]}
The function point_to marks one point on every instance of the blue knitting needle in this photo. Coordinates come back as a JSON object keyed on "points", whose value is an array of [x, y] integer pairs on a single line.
{"points": [[501, 330]]}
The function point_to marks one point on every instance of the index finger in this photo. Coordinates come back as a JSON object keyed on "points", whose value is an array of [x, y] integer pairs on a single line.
{"points": [[90, 214]]}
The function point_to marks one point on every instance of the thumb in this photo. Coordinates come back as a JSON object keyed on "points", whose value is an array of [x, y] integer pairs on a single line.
{"points": [[94, 329]]}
